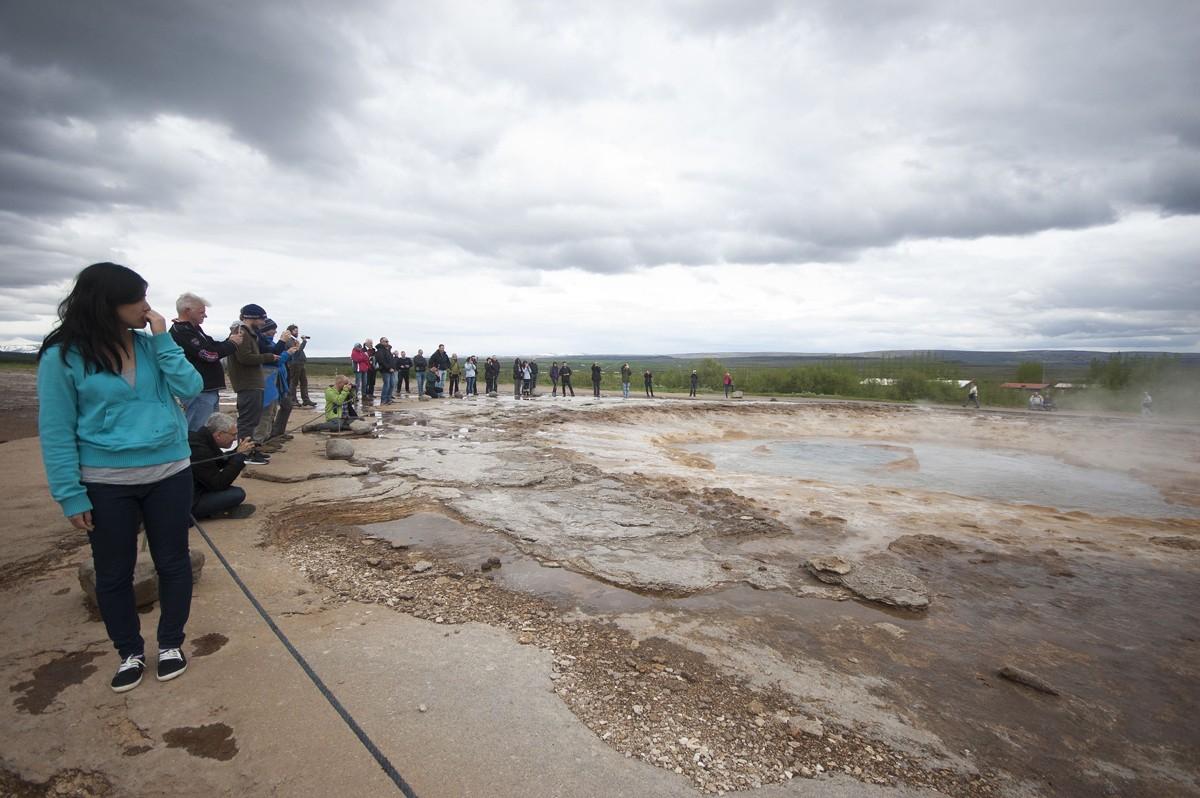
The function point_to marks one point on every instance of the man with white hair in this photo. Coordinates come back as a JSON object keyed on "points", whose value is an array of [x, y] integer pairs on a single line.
{"points": [[213, 470], [204, 354]]}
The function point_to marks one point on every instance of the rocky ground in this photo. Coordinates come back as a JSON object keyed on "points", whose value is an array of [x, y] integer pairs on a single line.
{"points": [[743, 629]]}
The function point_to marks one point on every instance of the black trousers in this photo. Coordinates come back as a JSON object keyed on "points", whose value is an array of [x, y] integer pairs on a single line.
{"points": [[595, 387], [402, 379], [371, 382], [453, 385], [209, 503], [164, 507], [566, 382]]}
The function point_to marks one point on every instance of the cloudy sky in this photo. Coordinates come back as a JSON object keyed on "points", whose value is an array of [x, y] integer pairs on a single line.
{"points": [[636, 177]]}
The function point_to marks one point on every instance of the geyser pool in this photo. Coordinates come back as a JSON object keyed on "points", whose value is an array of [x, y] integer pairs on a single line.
{"points": [[998, 474]]}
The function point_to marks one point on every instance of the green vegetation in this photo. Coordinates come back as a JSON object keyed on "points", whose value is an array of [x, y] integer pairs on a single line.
{"points": [[1030, 371]]}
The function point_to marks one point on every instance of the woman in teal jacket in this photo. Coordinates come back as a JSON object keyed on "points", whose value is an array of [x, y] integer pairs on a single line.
{"points": [[114, 443]]}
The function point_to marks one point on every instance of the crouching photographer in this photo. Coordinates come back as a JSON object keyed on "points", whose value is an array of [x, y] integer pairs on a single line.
{"points": [[214, 470]]}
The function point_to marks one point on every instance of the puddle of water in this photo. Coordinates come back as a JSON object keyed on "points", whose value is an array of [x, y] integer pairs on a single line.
{"points": [[1008, 476]]}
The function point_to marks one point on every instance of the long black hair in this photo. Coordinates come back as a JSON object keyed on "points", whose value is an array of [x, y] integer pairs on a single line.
{"points": [[87, 318]]}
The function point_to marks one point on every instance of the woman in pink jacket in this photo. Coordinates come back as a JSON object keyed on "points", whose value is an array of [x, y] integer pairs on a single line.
{"points": [[728, 380], [362, 365]]}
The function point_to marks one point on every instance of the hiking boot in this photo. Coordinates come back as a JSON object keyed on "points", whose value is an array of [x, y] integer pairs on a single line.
{"points": [[129, 674], [171, 663], [270, 448], [241, 511]]}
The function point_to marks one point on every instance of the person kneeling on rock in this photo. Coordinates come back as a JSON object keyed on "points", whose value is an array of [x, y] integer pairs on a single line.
{"points": [[214, 470]]}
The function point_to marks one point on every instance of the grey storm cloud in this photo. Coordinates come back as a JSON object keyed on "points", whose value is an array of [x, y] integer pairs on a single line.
{"points": [[608, 138]]}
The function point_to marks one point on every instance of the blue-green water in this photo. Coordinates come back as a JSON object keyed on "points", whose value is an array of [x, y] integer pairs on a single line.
{"points": [[1002, 475]]}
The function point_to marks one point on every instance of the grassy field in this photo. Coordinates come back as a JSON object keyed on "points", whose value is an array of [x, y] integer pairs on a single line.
{"points": [[1116, 382]]}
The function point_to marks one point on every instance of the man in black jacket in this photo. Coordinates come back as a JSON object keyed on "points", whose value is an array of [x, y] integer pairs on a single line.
{"points": [[386, 361], [596, 375], [204, 354], [403, 364], [442, 361], [213, 471], [564, 374]]}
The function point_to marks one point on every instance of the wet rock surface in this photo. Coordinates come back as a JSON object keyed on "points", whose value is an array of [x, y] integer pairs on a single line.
{"points": [[873, 581], [649, 698]]}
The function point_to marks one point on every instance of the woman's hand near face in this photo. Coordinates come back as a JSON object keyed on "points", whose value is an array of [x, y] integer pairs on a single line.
{"points": [[158, 324]]}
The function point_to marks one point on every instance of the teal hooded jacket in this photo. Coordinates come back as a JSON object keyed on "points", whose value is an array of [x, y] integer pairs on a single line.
{"points": [[90, 418]]}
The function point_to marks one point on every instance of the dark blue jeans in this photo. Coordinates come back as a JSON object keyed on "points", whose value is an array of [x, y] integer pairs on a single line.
{"points": [[210, 503], [165, 508]]}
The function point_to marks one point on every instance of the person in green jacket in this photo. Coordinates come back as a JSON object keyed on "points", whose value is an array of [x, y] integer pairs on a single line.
{"points": [[115, 445]]}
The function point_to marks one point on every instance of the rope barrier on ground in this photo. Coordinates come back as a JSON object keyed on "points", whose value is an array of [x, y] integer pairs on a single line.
{"points": [[380, 758]]}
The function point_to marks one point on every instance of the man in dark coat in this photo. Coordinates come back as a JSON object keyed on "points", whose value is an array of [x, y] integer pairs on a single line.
{"points": [[204, 353], [404, 364], [213, 470]]}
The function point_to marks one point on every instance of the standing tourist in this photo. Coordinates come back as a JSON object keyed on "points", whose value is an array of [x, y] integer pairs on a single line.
{"points": [[204, 354], [470, 369], [554, 378], [564, 374], [442, 361], [695, 381], [403, 366], [362, 364], [115, 447], [298, 370], [386, 360], [526, 377], [491, 375], [727, 380], [455, 372], [626, 376], [369, 348], [648, 379], [420, 364], [245, 368], [596, 375], [533, 375], [518, 372]]}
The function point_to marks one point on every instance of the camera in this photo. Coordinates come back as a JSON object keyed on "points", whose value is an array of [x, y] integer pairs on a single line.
{"points": [[305, 337]]}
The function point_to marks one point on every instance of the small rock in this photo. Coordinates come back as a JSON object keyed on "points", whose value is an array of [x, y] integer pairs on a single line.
{"points": [[422, 398], [361, 427], [490, 563], [374, 561], [756, 707], [524, 640], [1028, 679], [799, 725], [422, 566], [338, 449], [835, 565], [145, 578], [422, 708]]}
